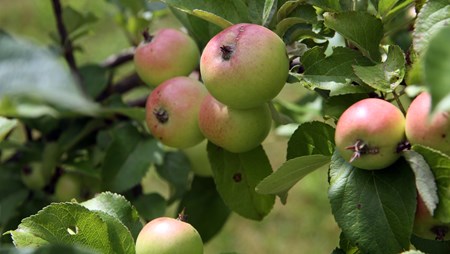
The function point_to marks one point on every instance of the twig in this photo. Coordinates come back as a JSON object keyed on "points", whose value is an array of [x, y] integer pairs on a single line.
{"points": [[119, 59], [399, 103], [122, 86]]}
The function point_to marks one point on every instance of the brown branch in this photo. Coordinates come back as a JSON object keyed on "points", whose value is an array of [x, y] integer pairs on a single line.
{"points": [[119, 59], [122, 86]]}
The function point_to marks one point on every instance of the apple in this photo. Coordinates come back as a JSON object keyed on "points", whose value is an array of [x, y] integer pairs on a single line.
{"points": [[369, 132], [235, 130], [428, 227], [421, 129], [166, 54], [244, 66], [172, 111], [198, 157], [166, 235], [68, 187], [33, 176]]}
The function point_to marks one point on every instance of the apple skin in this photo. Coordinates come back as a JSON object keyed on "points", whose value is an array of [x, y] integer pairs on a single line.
{"points": [[428, 227], [33, 176], [166, 235], [420, 129], [168, 54], [172, 112], [198, 157], [253, 71], [379, 125], [68, 187], [235, 130]]}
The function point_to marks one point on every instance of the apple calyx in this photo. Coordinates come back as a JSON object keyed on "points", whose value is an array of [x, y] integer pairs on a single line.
{"points": [[147, 36], [227, 51], [161, 115], [182, 216], [360, 148], [440, 232]]}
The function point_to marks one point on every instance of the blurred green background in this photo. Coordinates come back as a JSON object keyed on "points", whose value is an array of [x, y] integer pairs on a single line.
{"points": [[304, 225]]}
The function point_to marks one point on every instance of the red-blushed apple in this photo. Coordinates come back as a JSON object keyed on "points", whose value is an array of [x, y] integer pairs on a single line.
{"points": [[166, 235], [166, 54], [235, 130], [198, 157], [244, 66], [421, 129], [172, 112], [369, 132], [428, 227]]}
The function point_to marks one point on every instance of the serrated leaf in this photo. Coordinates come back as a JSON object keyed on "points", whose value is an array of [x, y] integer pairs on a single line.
{"points": [[366, 33], [72, 224], [333, 73], [386, 76], [35, 73], [6, 125], [291, 172], [433, 16], [118, 207], [425, 182], [374, 208], [236, 176], [311, 138], [203, 201], [436, 68], [440, 165]]}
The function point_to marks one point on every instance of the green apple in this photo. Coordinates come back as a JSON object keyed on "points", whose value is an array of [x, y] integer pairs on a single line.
{"points": [[369, 132], [421, 129], [68, 187], [166, 54], [244, 66], [198, 157], [235, 130], [428, 227], [172, 112], [33, 176], [168, 236]]}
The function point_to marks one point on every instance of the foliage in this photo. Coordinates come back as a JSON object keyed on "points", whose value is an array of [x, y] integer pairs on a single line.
{"points": [[59, 115]]}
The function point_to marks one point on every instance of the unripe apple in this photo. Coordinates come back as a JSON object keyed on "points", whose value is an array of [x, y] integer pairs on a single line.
{"points": [[172, 112], [68, 187], [369, 132], [33, 176], [244, 66], [198, 157], [168, 236], [421, 129], [428, 227], [235, 130], [166, 54]]}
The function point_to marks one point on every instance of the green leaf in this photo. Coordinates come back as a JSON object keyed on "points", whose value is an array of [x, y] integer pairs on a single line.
{"points": [[361, 28], [295, 14], [437, 69], [12, 192], [384, 6], [118, 207], [224, 14], [328, 5], [72, 224], [95, 79], [203, 201], [270, 7], [135, 113], [6, 125], [440, 165], [77, 23], [425, 182], [430, 246], [433, 16], [35, 73], [290, 173], [128, 158], [311, 138], [333, 73], [374, 208], [175, 169], [334, 106], [48, 249], [386, 76], [236, 176], [150, 206]]}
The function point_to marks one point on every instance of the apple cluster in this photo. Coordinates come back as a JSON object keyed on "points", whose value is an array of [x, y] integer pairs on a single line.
{"points": [[242, 68]]}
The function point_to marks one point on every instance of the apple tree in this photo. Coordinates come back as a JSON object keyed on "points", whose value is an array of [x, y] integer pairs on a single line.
{"points": [[96, 154]]}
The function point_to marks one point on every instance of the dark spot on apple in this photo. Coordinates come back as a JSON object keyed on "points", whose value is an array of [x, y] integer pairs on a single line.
{"points": [[440, 232], [358, 206], [27, 170], [403, 146], [161, 115], [444, 135], [237, 177], [227, 51]]}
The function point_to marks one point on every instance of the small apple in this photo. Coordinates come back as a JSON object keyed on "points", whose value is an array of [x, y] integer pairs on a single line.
{"points": [[198, 157], [68, 187], [235, 130], [369, 132], [33, 176], [428, 227], [244, 66], [166, 54], [172, 112], [420, 129], [166, 235]]}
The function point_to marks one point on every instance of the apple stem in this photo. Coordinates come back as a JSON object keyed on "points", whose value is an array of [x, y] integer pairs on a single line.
{"points": [[182, 216], [147, 37]]}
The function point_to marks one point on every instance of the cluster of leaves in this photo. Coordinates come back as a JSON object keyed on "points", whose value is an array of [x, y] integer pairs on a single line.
{"points": [[342, 51]]}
